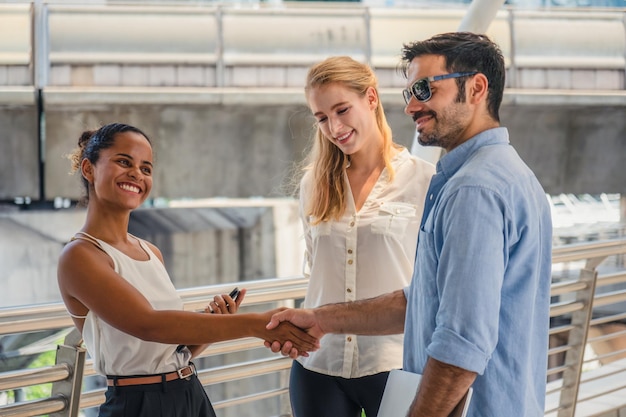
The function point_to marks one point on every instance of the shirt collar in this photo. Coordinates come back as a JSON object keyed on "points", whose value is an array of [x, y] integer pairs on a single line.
{"points": [[450, 163]]}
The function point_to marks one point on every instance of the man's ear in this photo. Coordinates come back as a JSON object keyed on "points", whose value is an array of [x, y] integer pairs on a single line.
{"points": [[86, 170], [478, 87]]}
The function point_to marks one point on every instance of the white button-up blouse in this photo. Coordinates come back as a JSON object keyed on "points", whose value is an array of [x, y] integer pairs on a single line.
{"points": [[362, 255]]}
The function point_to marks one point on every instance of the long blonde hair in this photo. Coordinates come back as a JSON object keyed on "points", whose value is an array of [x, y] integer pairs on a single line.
{"points": [[326, 161]]}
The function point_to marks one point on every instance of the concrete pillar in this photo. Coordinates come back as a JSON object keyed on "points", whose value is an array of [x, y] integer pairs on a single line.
{"points": [[479, 15]]}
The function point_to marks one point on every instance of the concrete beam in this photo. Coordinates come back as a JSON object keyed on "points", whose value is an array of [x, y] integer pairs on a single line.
{"points": [[54, 96]]}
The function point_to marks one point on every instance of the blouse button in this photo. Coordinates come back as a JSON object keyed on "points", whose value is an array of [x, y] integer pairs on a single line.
{"points": [[349, 290], [352, 223], [350, 261], [350, 251], [349, 339]]}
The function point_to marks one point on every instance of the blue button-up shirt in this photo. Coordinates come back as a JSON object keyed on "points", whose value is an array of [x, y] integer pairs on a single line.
{"points": [[480, 293]]}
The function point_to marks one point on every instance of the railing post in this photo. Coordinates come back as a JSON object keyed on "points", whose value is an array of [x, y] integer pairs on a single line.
{"points": [[577, 341], [73, 354]]}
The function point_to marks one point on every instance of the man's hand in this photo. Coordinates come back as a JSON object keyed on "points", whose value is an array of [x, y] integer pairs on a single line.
{"points": [[290, 339], [441, 389], [305, 319]]}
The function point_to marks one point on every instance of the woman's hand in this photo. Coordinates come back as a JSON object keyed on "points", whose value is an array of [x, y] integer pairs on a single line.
{"points": [[221, 304], [224, 304]]}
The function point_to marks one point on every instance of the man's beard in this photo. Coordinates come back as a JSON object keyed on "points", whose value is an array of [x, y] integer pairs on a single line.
{"points": [[427, 139]]}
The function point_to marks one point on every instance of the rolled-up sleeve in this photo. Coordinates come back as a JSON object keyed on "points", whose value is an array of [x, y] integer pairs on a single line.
{"points": [[469, 237]]}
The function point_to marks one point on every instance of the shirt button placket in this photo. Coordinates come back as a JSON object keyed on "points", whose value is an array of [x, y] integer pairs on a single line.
{"points": [[351, 238]]}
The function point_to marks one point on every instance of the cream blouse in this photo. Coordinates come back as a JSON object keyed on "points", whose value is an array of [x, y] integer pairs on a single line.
{"points": [[363, 255]]}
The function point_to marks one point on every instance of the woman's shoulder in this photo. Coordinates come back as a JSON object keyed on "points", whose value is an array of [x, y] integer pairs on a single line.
{"points": [[79, 255], [306, 182], [81, 245], [415, 164]]}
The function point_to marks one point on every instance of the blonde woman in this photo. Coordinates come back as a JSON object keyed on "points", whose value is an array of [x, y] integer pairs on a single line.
{"points": [[361, 202]]}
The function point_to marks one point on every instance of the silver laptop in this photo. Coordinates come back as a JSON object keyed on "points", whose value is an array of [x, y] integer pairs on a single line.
{"points": [[400, 391]]}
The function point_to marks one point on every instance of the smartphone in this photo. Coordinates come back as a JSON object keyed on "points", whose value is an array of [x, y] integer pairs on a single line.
{"points": [[234, 293]]}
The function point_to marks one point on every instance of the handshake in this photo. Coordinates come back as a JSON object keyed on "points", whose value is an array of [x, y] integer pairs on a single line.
{"points": [[293, 332]]}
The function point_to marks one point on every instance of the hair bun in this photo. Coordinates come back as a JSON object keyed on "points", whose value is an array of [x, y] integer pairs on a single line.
{"points": [[84, 137]]}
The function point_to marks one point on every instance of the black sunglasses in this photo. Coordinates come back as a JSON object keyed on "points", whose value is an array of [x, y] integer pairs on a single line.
{"points": [[420, 89]]}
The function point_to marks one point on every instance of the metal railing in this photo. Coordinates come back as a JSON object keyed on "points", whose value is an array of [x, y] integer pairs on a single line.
{"points": [[590, 300], [66, 373], [581, 304]]}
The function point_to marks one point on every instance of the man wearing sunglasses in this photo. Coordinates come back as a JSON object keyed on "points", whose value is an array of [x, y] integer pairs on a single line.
{"points": [[477, 310]]}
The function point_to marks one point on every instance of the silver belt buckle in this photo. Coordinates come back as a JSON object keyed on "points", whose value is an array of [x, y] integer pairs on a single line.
{"points": [[189, 369]]}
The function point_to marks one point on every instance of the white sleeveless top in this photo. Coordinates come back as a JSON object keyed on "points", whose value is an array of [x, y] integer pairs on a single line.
{"points": [[117, 353]]}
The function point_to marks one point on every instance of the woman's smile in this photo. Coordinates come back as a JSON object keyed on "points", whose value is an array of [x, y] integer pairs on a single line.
{"points": [[130, 187]]}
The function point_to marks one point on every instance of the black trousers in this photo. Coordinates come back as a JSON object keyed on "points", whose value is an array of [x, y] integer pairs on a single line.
{"points": [[317, 395], [178, 398]]}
